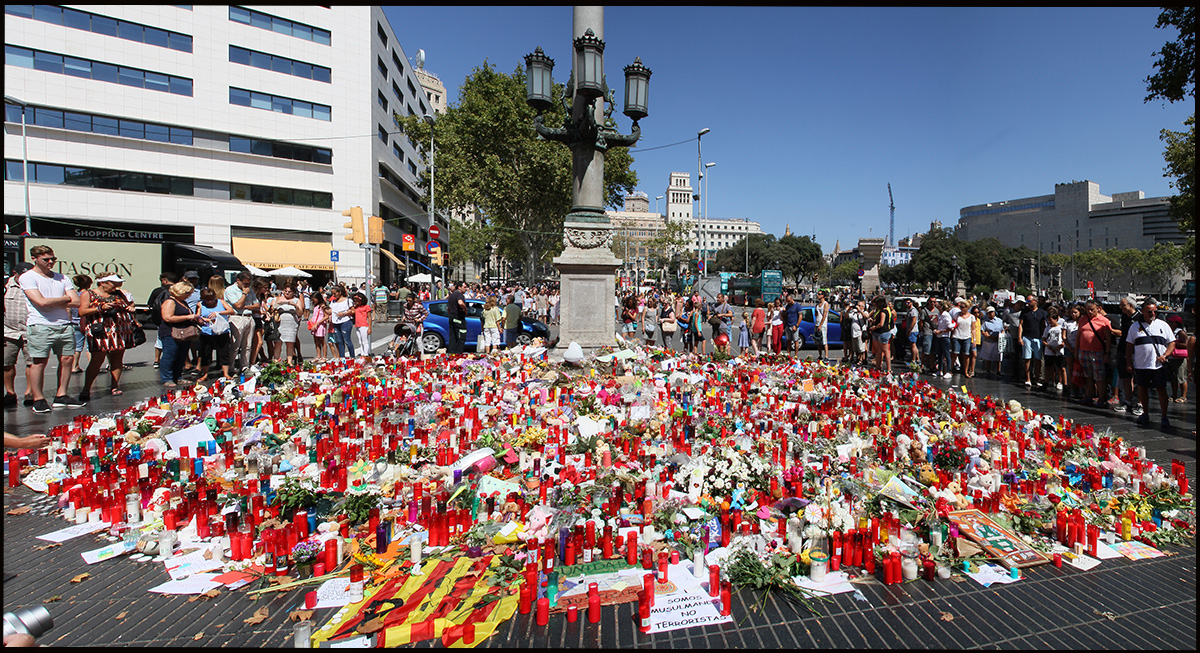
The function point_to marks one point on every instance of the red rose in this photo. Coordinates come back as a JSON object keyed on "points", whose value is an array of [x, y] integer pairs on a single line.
{"points": [[1054, 499]]}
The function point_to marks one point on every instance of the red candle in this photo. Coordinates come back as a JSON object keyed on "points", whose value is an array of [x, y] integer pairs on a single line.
{"points": [[543, 611], [593, 603], [714, 580], [631, 548]]}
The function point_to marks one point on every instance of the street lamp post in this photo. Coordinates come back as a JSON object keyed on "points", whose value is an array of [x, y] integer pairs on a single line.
{"points": [[656, 204], [700, 232], [954, 274], [430, 119], [1037, 278], [705, 207], [587, 263], [24, 161]]}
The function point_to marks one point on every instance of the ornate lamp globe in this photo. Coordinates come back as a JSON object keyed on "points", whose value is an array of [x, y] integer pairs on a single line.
{"points": [[637, 90], [589, 65], [539, 84]]}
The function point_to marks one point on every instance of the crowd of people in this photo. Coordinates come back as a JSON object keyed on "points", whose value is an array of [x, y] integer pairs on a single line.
{"points": [[203, 327], [1071, 348]]}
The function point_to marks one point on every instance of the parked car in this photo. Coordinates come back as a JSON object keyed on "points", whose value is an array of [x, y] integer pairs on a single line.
{"points": [[437, 327], [808, 326]]}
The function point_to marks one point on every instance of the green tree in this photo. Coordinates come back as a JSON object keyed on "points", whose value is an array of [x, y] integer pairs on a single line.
{"points": [[1159, 265], [1176, 76], [1175, 81], [489, 156], [809, 263], [1180, 155], [845, 272]]}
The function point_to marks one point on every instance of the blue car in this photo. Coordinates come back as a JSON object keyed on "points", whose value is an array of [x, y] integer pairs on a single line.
{"points": [[808, 325], [437, 327]]}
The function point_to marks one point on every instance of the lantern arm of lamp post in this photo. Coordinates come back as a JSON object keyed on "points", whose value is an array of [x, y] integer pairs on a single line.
{"points": [[585, 129]]}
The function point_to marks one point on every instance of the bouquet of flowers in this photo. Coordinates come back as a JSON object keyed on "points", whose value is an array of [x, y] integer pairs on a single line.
{"points": [[723, 469], [826, 515], [306, 552]]}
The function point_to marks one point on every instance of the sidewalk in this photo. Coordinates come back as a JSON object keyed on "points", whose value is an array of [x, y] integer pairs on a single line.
{"points": [[1148, 604]]}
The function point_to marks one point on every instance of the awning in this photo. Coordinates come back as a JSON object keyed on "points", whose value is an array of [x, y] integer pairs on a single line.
{"points": [[272, 254]]}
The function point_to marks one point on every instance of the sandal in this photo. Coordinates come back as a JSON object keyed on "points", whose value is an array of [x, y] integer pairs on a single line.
{"points": [[116, 392], [169, 384]]}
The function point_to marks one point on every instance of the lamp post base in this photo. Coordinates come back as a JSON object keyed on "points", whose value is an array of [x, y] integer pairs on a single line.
{"points": [[586, 308]]}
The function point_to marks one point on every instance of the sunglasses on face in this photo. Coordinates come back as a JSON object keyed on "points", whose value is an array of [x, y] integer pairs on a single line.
{"points": [[49, 259]]}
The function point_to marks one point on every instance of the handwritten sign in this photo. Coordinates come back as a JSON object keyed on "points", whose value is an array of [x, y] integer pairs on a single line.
{"points": [[995, 540], [685, 610]]}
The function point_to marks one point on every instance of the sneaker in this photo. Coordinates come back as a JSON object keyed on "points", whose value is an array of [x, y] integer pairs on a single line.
{"points": [[946, 375], [1028, 384], [1144, 420], [156, 365], [67, 402], [27, 401], [85, 397], [10, 401], [1166, 423], [1137, 409], [1120, 408], [40, 406], [1058, 386]]}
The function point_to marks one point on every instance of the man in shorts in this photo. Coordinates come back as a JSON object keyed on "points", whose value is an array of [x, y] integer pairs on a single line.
{"points": [[821, 320], [1033, 324], [49, 297], [791, 323], [1148, 345]]}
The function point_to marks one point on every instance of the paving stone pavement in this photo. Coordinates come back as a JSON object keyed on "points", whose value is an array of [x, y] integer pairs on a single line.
{"points": [[1121, 604]]}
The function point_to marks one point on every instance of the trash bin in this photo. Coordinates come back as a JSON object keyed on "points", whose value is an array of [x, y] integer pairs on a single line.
{"points": [[395, 309]]}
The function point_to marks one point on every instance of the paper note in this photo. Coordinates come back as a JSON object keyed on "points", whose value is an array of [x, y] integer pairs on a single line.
{"points": [[836, 582], [193, 563], [687, 606], [491, 484], [333, 593], [1135, 550], [197, 584], [190, 437], [989, 574], [109, 552], [72, 532]]}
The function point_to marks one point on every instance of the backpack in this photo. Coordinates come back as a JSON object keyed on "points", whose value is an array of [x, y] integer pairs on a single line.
{"points": [[156, 302]]}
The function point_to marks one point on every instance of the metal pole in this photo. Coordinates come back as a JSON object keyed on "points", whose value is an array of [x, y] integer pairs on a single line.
{"points": [[24, 160]]}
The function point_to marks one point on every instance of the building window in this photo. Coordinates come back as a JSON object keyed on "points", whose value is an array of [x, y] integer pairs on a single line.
{"points": [[279, 64], [50, 173], [280, 150], [278, 25], [383, 103], [273, 195], [89, 22], [382, 34], [279, 104], [381, 66], [397, 151], [383, 134], [103, 72]]}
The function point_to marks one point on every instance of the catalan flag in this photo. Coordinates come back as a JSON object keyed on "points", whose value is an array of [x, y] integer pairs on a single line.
{"points": [[452, 600]]}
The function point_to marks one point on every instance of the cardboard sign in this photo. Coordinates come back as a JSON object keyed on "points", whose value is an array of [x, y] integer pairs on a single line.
{"points": [[996, 541]]}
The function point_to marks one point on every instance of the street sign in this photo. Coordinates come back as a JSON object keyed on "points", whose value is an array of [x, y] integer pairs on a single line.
{"points": [[861, 273], [333, 255], [435, 232], [432, 246], [700, 265], [408, 243]]}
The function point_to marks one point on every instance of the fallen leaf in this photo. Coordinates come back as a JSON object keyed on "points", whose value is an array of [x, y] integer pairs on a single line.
{"points": [[300, 615], [52, 599], [120, 616], [20, 511], [48, 546], [199, 636], [1107, 615], [259, 616], [80, 578], [946, 616], [371, 626], [208, 554]]}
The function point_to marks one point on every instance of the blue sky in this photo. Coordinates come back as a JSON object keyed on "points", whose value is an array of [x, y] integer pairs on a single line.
{"points": [[813, 111]]}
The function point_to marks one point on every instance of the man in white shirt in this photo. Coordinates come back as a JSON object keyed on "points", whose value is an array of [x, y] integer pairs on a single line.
{"points": [[821, 330], [1147, 345], [240, 297], [48, 326]]}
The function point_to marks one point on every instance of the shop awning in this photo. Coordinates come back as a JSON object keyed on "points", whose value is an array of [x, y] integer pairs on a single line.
{"points": [[272, 254]]}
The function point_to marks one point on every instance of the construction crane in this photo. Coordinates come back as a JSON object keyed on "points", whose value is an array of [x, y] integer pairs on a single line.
{"points": [[892, 223]]}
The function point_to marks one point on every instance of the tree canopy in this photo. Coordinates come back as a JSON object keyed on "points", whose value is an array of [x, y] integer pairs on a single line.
{"points": [[1175, 81], [488, 156]]}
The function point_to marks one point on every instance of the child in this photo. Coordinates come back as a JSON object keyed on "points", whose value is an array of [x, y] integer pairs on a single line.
{"points": [[744, 333]]}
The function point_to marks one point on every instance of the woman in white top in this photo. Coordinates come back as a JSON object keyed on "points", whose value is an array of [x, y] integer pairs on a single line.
{"points": [[287, 310], [341, 326]]}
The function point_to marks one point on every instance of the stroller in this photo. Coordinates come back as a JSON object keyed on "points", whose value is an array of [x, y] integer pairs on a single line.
{"points": [[404, 341]]}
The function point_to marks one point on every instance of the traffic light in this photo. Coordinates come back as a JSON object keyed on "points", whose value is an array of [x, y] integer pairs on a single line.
{"points": [[435, 257], [375, 230], [355, 225]]}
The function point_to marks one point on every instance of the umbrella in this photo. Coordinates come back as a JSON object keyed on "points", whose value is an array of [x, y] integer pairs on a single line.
{"points": [[420, 278], [256, 272], [289, 271]]}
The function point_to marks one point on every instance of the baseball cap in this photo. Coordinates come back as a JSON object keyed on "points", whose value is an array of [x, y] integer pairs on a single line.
{"points": [[191, 274], [23, 267], [990, 309]]}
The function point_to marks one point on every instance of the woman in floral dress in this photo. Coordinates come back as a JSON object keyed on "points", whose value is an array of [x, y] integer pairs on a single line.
{"points": [[106, 319]]}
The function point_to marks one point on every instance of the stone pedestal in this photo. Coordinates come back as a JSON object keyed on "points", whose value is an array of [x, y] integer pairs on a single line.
{"points": [[587, 271]]}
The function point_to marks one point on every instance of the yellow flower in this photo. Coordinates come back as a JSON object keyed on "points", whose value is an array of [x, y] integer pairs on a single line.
{"points": [[804, 557]]}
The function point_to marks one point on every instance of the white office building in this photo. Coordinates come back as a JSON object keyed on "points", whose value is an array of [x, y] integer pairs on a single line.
{"points": [[249, 129]]}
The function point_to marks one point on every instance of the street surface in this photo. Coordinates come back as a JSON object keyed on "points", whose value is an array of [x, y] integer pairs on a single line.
{"points": [[1122, 604]]}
